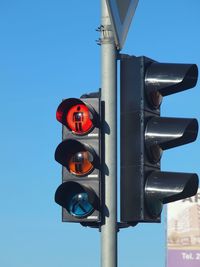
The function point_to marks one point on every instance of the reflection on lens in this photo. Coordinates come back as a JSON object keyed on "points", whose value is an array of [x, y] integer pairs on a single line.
{"points": [[156, 98], [79, 119], [79, 206], [81, 163], [156, 153]]}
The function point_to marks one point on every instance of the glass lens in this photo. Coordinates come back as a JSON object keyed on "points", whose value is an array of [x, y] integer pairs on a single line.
{"points": [[79, 120], [156, 153], [81, 163], [79, 206], [156, 98]]}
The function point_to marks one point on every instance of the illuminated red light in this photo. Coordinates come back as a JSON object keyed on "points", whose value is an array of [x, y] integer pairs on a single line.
{"points": [[78, 119]]}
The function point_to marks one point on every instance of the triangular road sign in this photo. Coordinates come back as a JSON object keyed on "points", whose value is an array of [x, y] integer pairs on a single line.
{"points": [[121, 14]]}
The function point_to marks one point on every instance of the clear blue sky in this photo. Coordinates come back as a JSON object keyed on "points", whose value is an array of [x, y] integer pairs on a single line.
{"points": [[48, 52]]}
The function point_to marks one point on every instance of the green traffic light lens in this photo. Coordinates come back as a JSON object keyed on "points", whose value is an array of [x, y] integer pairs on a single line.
{"points": [[77, 198], [79, 205]]}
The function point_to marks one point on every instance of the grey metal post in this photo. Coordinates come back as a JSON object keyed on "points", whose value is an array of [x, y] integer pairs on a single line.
{"points": [[109, 97]]}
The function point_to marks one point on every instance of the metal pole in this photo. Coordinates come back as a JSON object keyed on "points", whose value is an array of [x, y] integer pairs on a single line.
{"points": [[109, 97]]}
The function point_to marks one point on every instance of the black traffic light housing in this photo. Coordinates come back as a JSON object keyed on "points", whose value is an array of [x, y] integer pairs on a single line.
{"points": [[144, 136], [79, 153]]}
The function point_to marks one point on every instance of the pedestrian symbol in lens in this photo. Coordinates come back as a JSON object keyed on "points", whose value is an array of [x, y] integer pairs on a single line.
{"points": [[79, 206], [81, 163]]}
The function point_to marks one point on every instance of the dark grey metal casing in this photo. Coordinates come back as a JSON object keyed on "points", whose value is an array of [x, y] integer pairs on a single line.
{"points": [[144, 135], [135, 165], [93, 179]]}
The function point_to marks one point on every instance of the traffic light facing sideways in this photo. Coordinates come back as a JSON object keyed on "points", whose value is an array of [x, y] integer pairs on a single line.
{"points": [[79, 154], [145, 135]]}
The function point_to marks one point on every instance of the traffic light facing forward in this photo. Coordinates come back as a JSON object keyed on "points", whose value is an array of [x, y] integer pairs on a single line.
{"points": [[145, 135], [79, 154]]}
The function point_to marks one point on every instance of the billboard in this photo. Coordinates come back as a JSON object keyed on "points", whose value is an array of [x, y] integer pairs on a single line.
{"points": [[183, 232]]}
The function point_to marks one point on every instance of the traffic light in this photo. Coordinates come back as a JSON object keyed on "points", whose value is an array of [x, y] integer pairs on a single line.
{"points": [[145, 135], [79, 154]]}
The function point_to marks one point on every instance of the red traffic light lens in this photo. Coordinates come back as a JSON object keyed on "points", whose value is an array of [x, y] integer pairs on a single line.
{"points": [[81, 163], [78, 119]]}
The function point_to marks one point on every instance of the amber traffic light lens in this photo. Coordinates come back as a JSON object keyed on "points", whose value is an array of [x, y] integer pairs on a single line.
{"points": [[79, 119], [81, 163]]}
